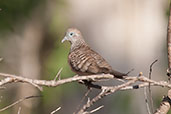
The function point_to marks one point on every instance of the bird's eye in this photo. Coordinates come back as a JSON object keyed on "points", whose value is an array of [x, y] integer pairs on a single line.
{"points": [[71, 34]]}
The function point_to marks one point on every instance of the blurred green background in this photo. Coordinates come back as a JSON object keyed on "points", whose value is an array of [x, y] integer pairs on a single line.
{"points": [[127, 33]]}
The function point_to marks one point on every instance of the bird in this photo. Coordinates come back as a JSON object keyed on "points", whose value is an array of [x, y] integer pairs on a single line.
{"points": [[83, 60]]}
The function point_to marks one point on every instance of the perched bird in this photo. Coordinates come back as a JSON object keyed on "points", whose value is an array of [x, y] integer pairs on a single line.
{"points": [[85, 61]]}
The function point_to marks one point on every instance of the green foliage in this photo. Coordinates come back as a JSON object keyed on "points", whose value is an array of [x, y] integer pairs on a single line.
{"points": [[12, 11], [56, 60]]}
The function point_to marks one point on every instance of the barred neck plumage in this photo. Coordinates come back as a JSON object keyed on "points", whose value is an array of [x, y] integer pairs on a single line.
{"points": [[77, 44]]}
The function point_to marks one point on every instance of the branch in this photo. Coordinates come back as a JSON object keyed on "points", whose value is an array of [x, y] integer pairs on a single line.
{"points": [[165, 104], [169, 41], [105, 92], [54, 83]]}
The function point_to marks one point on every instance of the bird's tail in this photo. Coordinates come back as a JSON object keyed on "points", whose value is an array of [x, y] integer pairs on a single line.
{"points": [[118, 74]]}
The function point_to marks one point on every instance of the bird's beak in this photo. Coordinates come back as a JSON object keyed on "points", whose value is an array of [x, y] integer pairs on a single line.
{"points": [[65, 38]]}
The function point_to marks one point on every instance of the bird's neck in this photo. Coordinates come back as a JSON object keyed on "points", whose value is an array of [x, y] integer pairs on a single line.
{"points": [[77, 45]]}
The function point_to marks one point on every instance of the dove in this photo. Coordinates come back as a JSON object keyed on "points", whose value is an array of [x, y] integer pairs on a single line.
{"points": [[85, 61]]}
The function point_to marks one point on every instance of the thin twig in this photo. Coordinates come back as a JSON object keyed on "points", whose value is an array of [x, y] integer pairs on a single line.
{"points": [[151, 68], [138, 86], [86, 94], [18, 101], [19, 110], [98, 108], [149, 88], [58, 74], [130, 71], [146, 100], [53, 112]]}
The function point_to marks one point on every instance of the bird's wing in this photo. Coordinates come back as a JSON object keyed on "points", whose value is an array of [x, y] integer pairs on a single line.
{"points": [[86, 61], [101, 63]]}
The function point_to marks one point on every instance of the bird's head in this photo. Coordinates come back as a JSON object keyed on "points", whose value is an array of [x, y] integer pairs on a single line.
{"points": [[72, 35]]}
